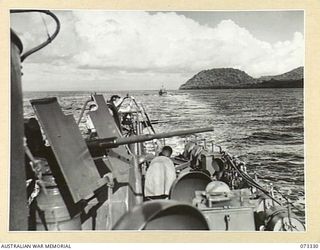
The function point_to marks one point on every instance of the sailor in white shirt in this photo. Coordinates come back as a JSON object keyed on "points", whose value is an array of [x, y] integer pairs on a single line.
{"points": [[160, 175]]}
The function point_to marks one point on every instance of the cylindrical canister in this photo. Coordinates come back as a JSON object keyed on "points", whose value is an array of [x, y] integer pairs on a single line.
{"points": [[53, 212]]}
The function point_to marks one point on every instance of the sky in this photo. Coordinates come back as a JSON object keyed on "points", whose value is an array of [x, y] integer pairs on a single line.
{"points": [[137, 50]]}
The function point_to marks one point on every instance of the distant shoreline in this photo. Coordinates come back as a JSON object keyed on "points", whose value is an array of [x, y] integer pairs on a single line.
{"points": [[263, 85]]}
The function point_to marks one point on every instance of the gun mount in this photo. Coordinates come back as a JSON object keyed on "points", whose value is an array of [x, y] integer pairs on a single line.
{"points": [[115, 142]]}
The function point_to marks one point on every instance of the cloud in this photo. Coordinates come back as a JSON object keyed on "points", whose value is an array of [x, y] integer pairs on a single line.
{"points": [[140, 41], [106, 43]]}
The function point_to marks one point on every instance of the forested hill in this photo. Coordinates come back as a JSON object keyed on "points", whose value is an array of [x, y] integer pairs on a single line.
{"points": [[225, 78], [295, 74]]}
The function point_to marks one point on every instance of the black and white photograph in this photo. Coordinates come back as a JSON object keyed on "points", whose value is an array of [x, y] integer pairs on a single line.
{"points": [[157, 120]]}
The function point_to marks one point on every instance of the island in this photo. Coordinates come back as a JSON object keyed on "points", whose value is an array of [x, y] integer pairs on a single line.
{"points": [[230, 78]]}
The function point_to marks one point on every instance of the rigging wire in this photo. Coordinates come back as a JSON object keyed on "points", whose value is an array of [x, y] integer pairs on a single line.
{"points": [[291, 203], [250, 180], [45, 24], [255, 184]]}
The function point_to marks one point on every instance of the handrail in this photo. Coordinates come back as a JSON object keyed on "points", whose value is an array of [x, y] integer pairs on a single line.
{"points": [[50, 38]]}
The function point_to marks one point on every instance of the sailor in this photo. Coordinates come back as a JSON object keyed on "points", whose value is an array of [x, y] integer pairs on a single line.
{"points": [[160, 175], [89, 124], [120, 114], [117, 101]]}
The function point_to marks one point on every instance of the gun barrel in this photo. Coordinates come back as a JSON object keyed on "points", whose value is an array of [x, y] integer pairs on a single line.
{"points": [[115, 142]]}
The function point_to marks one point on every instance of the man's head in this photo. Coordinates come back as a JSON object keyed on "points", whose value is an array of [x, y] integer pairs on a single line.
{"points": [[114, 98], [166, 151], [93, 107]]}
